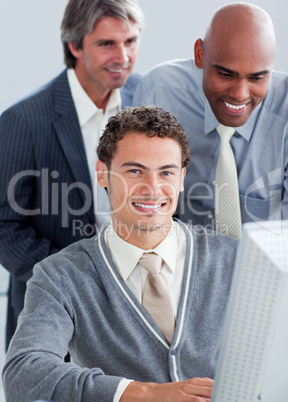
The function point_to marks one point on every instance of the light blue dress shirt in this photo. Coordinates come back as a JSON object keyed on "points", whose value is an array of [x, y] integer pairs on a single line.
{"points": [[260, 146]]}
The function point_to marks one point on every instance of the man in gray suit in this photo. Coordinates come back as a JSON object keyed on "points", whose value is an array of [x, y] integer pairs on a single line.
{"points": [[48, 141]]}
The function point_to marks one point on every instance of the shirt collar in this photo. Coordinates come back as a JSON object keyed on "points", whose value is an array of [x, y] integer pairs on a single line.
{"points": [[119, 250], [114, 100], [84, 106], [210, 121]]}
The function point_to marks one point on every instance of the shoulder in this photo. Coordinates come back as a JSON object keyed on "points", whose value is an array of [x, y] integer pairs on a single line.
{"points": [[39, 99], [213, 260], [128, 90], [277, 97], [84, 248], [179, 72], [132, 81], [278, 78], [210, 244], [73, 261], [172, 85]]}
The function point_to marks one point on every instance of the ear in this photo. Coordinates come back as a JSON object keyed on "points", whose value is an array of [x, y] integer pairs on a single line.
{"points": [[182, 179], [198, 53], [102, 174], [77, 53]]}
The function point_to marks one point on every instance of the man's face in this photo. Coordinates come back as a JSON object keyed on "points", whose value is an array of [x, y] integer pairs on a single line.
{"points": [[236, 77], [143, 183], [108, 54]]}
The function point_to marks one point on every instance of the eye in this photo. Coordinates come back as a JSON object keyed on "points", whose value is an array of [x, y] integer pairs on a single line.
{"points": [[225, 75], [167, 173], [106, 43], [257, 78], [130, 41], [134, 171]]}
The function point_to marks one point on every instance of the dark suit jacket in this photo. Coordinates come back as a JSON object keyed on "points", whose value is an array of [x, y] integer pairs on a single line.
{"points": [[45, 187]]}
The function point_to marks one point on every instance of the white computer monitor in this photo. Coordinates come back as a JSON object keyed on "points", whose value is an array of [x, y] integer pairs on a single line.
{"points": [[253, 360]]}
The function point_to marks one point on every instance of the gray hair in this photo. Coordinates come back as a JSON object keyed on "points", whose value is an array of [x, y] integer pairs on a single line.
{"points": [[81, 16]]}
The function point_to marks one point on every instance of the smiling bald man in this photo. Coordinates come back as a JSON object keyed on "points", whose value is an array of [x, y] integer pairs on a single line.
{"points": [[230, 81]]}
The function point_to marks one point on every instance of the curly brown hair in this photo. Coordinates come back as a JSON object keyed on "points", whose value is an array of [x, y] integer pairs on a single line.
{"points": [[150, 120]]}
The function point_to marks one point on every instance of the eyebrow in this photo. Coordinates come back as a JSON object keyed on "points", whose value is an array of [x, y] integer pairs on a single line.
{"points": [[136, 36], [232, 72], [139, 165], [109, 40]]}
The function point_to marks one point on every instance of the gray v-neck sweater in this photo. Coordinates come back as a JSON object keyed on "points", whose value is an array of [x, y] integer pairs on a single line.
{"points": [[76, 299]]}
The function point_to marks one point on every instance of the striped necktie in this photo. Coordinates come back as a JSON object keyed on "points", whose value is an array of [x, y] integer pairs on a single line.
{"points": [[227, 205]]}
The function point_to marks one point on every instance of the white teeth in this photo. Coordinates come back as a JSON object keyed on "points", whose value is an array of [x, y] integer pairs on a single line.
{"points": [[234, 107], [115, 71], [147, 206]]}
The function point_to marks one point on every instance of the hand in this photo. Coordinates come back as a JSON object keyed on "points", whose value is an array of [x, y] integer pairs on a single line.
{"points": [[192, 390]]}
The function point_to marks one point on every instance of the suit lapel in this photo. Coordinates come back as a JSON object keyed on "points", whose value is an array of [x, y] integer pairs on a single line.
{"points": [[68, 130], [70, 137]]}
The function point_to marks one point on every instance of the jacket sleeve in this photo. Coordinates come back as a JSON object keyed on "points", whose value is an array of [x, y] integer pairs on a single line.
{"points": [[21, 246], [35, 367]]}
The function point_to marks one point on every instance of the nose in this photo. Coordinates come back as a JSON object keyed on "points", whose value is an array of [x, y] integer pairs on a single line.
{"points": [[150, 187], [121, 54], [240, 90]]}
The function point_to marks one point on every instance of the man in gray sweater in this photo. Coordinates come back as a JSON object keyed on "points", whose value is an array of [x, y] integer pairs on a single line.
{"points": [[96, 298]]}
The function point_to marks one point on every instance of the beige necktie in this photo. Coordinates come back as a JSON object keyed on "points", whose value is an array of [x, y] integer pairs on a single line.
{"points": [[156, 296], [227, 205]]}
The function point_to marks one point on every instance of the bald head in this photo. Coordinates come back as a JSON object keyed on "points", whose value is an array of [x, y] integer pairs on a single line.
{"points": [[237, 56], [242, 22]]}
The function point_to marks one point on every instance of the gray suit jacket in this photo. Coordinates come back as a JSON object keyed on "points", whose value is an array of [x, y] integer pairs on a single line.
{"points": [[45, 197]]}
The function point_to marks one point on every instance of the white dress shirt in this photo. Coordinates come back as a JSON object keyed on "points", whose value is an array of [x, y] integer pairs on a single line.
{"points": [[92, 121], [172, 250]]}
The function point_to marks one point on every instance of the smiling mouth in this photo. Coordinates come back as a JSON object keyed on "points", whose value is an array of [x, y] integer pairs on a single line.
{"points": [[235, 107], [147, 206], [115, 71], [149, 209]]}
